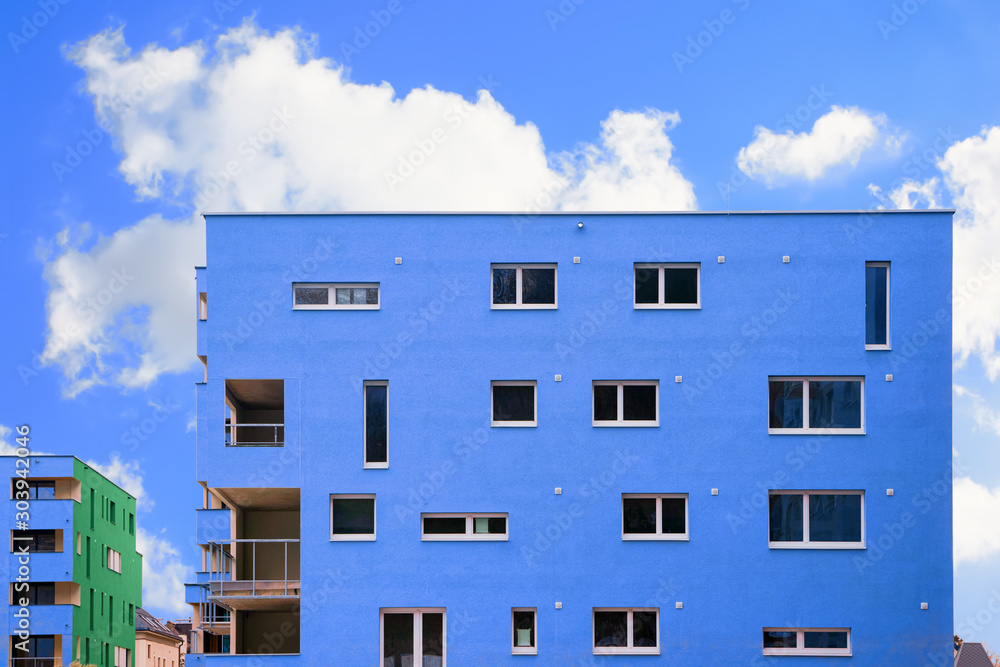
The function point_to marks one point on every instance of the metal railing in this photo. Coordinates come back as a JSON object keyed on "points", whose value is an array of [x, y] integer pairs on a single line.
{"points": [[222, 569], [233, 435], [36, 662]]}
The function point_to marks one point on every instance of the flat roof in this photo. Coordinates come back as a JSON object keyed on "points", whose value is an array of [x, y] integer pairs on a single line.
{"points": [[580, 213]]}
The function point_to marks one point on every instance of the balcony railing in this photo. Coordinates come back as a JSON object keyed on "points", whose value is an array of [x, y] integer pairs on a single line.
{"points": [[36, 662], [255, 435], [224, 582]]}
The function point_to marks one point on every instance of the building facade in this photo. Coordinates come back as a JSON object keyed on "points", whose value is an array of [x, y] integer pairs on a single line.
{"points": [[698, 438], [75, 577], [156, 644]]}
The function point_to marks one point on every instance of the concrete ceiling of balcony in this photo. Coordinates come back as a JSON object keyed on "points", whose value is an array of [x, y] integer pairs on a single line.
{"points": [[261, 499], [257, 394]]}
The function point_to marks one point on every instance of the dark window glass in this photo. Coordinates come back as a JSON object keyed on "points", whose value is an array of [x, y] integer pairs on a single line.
{"points": [[639, 402], [312, 296], [438, 525], [496, 525], [610, 628], [785, 517], [433, 638], [876, 316], [371, 295], [357, 295], [834, 518], [513, 403], [397, 638], [785, 401], [504, 286], [376, 428], [780, 639], [644, 628], [825, 639], [673, 520], [41, 594], [680, 286], [524, 628], [41, 490], [538, 285], [38, 541], [835, 404], [639, 515], [38, 647], [647, 285], [112, 511], [353, 516], [605, 402]]}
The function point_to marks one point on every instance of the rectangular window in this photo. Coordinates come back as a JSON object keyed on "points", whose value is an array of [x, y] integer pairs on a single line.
{"points": [[376, 424], [671, 285], [523, 621], [33, 489], [112, 511], [626, 631], [877, 306], [514, 403], [412, 637], [525, 286], [121, 657], [352, 517], [829, 405], [662, 516], [807, 641], [816, 520], [479, 526], [114, 561], [37, 541], [335, 296], [626, 403], [131, 523], [37, 594]]}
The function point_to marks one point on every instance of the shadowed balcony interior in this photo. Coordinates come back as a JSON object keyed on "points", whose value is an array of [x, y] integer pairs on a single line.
{"points": [[255, 413]]}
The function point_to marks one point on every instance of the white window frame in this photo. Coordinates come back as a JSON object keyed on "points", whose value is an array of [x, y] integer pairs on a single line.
{"points": [[332, 297], [114, 561], [805, 380], [418, 631], [364, 424], [344, 537], [524, 650], [518, 296], [659, 534], [620, 421], [661, 293], [629, 649], [470, 534], [888, 300], [800, 642], [514, 383], [806, 543]]}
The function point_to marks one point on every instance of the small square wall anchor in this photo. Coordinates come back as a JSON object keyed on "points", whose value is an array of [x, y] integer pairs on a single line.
{"points": [[889, 492], [722, 259], [558, 490], [576, 260], [923, 605], [678, 605], [888, 378], [399, 260], [678, 378], [558, 605], [558, 377], [715, 492], [786, 259]]}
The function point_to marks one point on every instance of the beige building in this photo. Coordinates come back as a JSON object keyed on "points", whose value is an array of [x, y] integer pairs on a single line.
{"points": [[156, 645]]}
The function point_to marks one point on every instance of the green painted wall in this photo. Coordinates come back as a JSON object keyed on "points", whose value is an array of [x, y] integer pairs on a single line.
{"points": [[104, 518]]}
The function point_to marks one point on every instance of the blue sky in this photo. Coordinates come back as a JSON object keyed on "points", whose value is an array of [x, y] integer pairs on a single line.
{"points": [[125, 119]]}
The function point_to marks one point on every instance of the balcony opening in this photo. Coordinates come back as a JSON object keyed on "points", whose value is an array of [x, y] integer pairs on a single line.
{"points": [[255, 413], [36, 651], [51, 488], [202, 305]]}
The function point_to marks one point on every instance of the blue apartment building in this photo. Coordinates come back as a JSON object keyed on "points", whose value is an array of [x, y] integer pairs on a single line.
{"points": [[575, 439]]}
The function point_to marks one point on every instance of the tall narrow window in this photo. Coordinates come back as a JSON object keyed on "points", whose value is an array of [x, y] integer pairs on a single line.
{"points": [[877, 306], [523, 621], [376, 424]]}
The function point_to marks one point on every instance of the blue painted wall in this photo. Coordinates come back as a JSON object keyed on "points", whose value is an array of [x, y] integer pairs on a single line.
{"points": [[438, 343]]}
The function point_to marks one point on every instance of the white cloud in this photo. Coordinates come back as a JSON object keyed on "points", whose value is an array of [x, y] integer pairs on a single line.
{"points": [[127, 475], [971, 169], [976, 516], [7, 445], [261, 124], [985, 417], [837, 138], [910, 194], [163, 574]]}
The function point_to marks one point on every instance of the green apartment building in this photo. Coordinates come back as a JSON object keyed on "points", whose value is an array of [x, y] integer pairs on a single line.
{"points": [[75, 577]]}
